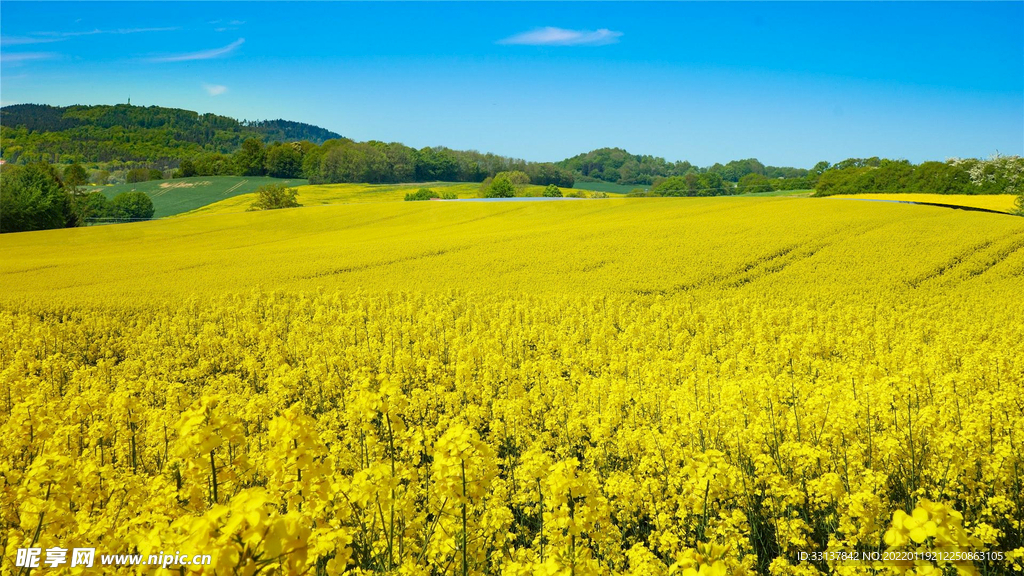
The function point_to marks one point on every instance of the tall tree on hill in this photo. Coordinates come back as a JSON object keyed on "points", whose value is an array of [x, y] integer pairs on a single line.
{"points": [[250, 158], [284, 161]]}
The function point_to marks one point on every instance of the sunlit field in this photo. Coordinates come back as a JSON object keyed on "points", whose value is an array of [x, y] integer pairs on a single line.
{"points": [[323, 194], [617, 386], [997, 202]]}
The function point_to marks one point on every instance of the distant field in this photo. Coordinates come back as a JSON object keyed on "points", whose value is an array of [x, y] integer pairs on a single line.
{"points": [[323, 194], [999, 202], [172, 197]]}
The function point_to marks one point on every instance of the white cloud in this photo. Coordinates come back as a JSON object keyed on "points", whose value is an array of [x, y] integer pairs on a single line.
{"points": [[551, 36], [43, 37], [215, 89], [19, 57], [18, 40], [202, 54]]}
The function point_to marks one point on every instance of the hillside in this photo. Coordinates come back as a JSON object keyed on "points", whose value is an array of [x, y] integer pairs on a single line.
{"points": [[61, 134], [614, 246]]}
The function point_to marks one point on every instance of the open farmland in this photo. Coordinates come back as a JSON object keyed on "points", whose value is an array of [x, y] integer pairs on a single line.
{"points": [[998, 202], [623, 386], [324, 194], [179, 195]]}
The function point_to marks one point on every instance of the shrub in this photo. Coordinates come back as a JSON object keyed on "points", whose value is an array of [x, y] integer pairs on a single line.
{"points": [[449, 196], [421, 194], [552, 191], [501, 187], [137, 175], [274, 196]]}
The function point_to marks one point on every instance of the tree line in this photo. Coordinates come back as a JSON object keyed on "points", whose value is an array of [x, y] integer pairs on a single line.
{"points": [[996, 175], [344, 160], [620, 167]]}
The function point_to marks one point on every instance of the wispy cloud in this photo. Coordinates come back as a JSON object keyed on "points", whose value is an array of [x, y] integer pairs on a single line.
{"points": [[551, 36], [95, 31], [45, 37], [19, 57], [19, 40], [215, 89], [202, 54]]}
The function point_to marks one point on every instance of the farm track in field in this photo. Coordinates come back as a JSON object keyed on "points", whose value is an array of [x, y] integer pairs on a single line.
{"points": [[372, 265], [1001, 248]]}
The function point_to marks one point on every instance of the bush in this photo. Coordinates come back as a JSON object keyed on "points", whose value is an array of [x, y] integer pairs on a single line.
{"points": [[91, 205], [449, 196], [131, 206], [599, 195], [421, 194], [137, 175], [637, 193], [552, 191], [274, 196], [501, 187]]}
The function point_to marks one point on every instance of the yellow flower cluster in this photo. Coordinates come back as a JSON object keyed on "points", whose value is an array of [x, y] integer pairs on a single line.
{"points": [[472, 434]]}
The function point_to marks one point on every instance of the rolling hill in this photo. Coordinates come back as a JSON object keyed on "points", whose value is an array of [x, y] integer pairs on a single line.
{"points": [[60, 134]]}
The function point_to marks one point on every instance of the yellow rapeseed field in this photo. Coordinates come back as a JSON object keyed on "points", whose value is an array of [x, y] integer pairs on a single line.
{"points": [[323, 194], [592, 387], [997, 202]]}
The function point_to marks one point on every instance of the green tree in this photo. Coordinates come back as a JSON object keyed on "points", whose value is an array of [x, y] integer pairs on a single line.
{"points": [[101, 177], [421, 194], [274, 196], [284, 161], [186, 169], [155, 174], [501, 187], [33, 197], [754, 184], [137, 175], [517, 178], [552, 191], [91, 206], [249, 160], [75, 176], [131, 206]]}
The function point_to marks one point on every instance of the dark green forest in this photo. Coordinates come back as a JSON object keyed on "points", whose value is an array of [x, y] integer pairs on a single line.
{"points": [[126, 134]]}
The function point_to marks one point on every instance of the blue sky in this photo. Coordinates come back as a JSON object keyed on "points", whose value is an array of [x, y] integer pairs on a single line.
{"points": [[788, 83]]}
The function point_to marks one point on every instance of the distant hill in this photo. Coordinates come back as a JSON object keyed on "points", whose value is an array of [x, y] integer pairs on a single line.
{"points": [[128, 133], [620, 167]]}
